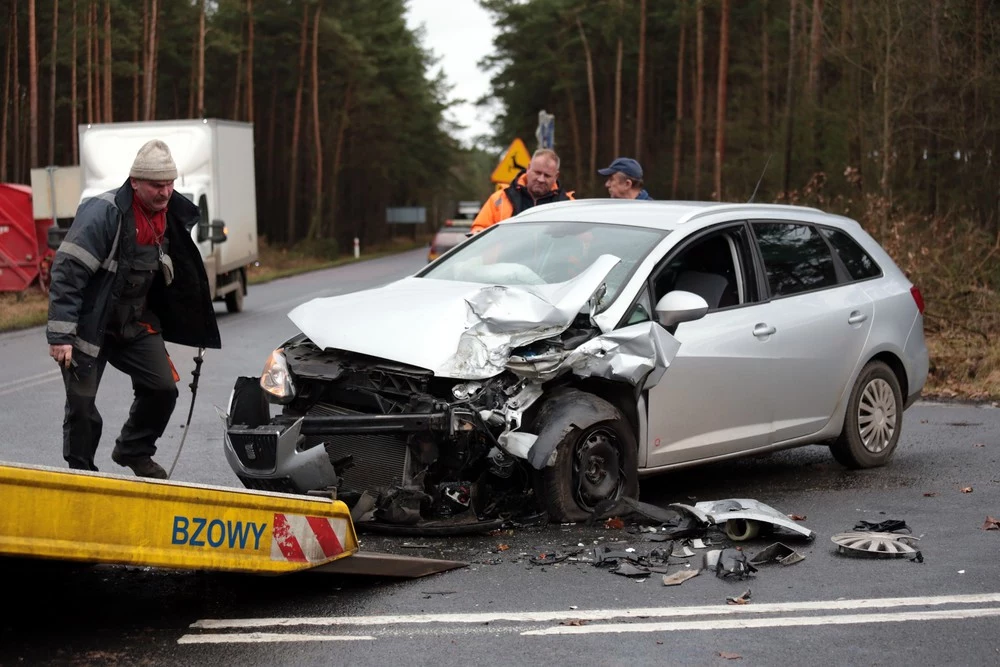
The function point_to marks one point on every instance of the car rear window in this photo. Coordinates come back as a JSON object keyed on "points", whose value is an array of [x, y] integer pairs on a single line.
{"points": [[795, 257], [858, 262]]}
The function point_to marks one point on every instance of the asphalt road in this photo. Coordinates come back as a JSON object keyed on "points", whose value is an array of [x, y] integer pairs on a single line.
{"points": [[502, 609]]}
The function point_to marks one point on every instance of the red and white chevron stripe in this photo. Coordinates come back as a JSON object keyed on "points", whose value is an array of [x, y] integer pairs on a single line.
{"points": [[307, 539]]}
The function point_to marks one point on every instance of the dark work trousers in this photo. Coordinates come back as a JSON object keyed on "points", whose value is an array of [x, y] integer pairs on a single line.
{"points": [[144, 359]]}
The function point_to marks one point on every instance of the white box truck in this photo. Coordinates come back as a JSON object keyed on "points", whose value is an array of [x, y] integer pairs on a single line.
{"points": [[215, 170]]}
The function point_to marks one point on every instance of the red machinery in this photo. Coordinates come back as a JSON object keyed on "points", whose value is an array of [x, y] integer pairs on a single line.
{"points": [[24, 252]]}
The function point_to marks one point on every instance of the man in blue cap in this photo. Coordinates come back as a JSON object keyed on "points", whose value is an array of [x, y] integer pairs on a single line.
{"points": [[624, 179]]}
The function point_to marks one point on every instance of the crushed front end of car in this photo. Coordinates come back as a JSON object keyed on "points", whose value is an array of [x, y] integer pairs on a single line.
{"points": [[455, 443]]}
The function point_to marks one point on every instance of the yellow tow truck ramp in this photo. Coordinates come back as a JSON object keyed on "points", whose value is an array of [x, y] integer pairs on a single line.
{"points": [[99, 518]]}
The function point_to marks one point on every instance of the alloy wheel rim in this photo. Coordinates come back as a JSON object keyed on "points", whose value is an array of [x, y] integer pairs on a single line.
{"points": [[597, 473], [877, 416]]}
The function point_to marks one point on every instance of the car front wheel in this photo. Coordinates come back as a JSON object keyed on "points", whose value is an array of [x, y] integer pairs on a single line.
{"points": [[594, 466], [874, 417]]}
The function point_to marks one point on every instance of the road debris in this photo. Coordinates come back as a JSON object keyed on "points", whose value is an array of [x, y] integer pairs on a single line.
{"points": [[877, 545], [729, 656], [728, 563], [777, 553], [743, 518], [679, 577], [930, 494], [887, 526], [966, 489], [741, 599], [991, 524]]}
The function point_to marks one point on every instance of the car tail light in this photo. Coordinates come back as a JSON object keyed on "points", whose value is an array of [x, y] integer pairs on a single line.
{"points": [[918, 298]]}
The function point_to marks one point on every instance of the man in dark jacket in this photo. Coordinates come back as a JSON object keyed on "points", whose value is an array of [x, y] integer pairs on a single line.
{"points": [[624, 179], [127, 277]]}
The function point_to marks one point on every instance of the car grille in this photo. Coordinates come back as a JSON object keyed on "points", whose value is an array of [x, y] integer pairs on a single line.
{"points": [[379, 460], [256, 448]]}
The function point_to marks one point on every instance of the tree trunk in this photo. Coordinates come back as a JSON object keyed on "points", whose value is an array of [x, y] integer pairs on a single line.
{"points": [[815, 51], [96, 59], [75, 151], [593, 107], [789, 97], [884, 181], [317, 216], [147, 94], [238, 81], [16, 100], [616, 140], [136, 88], [200, 108], [720, 107], [32, 87], [108, 79], [640, 104], [271, 131], [765, 73], [678, 125], [90, 64], [156, 65], [616, 136], [574, 129], [8, 59], [52, 83], [296, 119], [250, 61], [192, 78], [699, 94], [338, 153]]}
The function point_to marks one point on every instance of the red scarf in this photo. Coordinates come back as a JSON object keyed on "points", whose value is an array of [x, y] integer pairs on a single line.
{"points": [[149, 226]]}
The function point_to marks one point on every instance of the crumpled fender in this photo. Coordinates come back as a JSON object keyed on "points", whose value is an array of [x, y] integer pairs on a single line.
{"points": [[565, 410]]}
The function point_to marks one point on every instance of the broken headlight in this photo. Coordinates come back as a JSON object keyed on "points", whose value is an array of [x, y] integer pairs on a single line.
{"points": [[276, 379]]}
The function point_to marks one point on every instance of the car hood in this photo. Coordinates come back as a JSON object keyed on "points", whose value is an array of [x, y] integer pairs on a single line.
{"points": [[455, 329]]}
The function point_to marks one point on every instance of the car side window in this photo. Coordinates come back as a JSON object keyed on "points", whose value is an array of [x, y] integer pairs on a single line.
{"points": [[796, 258], [711, 267], [715, 266], [858, 262]]}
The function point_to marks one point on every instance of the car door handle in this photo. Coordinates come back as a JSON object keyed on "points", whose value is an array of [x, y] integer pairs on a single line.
{"points": [[857, 317], [763, 330]]}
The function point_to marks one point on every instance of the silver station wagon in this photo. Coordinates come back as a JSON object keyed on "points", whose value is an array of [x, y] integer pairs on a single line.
{"points": [[545, 364]]}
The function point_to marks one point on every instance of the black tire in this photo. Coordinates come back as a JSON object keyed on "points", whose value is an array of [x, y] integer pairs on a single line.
{"points": [[873, 421], [234, 300], [594, 466]]}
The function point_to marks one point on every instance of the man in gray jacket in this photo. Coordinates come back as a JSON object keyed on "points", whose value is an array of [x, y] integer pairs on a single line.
{"points": [[127, 277]]}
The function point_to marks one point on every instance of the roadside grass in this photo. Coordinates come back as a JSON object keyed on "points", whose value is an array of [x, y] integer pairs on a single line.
{"points": [[21, 310]]}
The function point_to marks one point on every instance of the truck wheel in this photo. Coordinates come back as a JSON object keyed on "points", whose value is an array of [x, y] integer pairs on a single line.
{"points": [[593, 466], [872, 424], [234, 300]]}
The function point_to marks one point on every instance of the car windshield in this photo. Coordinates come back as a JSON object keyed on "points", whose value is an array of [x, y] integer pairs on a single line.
{"points": [[538, 253]]}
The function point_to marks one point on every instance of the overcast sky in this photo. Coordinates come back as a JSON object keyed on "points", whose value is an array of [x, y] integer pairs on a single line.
{"points": [[459, 33]]}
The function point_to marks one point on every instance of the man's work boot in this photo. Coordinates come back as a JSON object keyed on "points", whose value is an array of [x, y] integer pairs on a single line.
{"points": [[142, 466]]}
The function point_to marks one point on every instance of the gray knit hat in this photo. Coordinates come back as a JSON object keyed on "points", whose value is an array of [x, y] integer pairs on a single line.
{"points": [[153, 162]]}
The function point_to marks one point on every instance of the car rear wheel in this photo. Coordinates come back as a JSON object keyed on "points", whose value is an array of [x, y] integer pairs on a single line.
{"points": [[594, 466], [874, 417]]}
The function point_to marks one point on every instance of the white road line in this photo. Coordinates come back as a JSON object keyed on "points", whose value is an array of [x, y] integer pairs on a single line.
{"points": [[265, 638], [603, 614], [783, 622], [31, 381]]}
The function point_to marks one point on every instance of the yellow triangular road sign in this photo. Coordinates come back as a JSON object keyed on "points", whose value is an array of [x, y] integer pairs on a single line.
{"points": [[514, 160]]}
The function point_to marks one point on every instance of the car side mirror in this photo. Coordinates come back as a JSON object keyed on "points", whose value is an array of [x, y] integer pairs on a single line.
{"points": [[214, 231], [679, 306]]}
